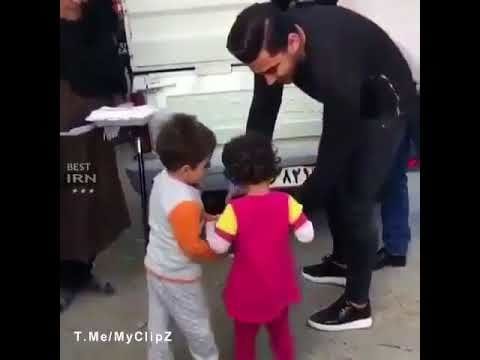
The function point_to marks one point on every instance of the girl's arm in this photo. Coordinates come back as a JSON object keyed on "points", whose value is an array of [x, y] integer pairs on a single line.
{"points": [[303, 228], [220, 237]]}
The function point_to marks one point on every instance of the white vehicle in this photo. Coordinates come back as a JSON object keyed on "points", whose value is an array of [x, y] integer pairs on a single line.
{"points": [[181, 64]]}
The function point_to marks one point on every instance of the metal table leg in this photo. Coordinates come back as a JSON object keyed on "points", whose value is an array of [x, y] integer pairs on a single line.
{"points": [[143, 189]]}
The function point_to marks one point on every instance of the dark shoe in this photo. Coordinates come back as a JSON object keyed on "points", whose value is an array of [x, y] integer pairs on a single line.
{"points": [[99, 286], [385, 259], [66, 298], [342, 316], [326, 272]]}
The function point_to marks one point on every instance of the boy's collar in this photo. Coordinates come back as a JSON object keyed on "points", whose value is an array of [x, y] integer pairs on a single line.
{"points": [[172, 176]]}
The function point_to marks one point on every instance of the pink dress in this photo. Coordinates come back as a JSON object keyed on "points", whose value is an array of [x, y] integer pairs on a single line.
{"points": [[263, 280]]}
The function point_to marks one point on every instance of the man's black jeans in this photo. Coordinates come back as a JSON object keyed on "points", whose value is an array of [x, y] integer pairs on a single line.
{"points": [[350, 207]]}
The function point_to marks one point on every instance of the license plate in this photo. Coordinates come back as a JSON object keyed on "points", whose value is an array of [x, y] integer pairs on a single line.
{"points": [[292, 176]]}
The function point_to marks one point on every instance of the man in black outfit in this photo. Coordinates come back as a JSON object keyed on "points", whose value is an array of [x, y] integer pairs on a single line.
{"points": [[348, 63]]}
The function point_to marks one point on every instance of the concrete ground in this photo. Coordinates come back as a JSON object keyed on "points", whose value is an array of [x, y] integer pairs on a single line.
{"points": [[395, 297]]}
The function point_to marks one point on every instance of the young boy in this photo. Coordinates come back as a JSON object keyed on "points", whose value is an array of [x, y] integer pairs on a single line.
{"points": [[176, 219]]}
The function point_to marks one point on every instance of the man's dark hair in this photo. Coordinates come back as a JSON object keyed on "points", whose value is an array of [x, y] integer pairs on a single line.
{"points": [[285, 4], [250, 159], [282, 4], [183, 140], [259, 26], [327, 2]]}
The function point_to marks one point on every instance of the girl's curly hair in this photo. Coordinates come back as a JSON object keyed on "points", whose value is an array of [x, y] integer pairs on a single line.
{"points": [[250, 159]]}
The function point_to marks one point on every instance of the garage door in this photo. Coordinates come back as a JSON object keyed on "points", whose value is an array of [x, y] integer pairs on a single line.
{"points": [[172, 34]]}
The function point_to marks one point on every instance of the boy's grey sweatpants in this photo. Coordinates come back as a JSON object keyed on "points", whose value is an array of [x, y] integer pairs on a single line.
{"points": [[185, 303]]}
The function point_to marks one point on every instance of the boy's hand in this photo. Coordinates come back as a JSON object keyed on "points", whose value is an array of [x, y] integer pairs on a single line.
{"points": [[210, 217]]}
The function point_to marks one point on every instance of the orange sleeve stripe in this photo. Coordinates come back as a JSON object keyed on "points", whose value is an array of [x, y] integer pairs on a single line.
{"points": [[186, 221]]}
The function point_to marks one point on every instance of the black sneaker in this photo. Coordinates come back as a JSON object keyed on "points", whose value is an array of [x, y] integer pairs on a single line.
{"points": [[342, 316], [326, 272], [385, 259]]}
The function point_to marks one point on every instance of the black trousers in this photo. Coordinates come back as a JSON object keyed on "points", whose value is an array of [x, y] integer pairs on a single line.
{"points": [[350, 206]]}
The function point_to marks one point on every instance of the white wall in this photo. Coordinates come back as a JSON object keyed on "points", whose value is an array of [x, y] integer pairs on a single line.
{"points": [[159, 38], [400, 19], [172, 34]]}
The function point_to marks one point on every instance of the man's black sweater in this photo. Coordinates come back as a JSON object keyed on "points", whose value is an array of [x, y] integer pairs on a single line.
{"points": [[354, 69]]}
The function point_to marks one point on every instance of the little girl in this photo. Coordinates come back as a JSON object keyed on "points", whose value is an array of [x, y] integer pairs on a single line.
{"points": [[262, 283]]}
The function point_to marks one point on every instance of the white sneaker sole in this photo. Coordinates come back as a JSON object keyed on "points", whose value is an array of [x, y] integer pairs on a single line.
{"points": [[340, 281], [354, 325]]}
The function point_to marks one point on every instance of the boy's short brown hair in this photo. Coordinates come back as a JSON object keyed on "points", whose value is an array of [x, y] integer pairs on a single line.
{"points": [[183, 140]]}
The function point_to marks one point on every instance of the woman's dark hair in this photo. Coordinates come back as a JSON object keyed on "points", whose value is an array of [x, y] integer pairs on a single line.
{"points": [[259, 26], [250, 159], [183, 140]]}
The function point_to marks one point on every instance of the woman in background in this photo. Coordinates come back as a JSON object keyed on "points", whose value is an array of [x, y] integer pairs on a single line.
{"points": [[91, 75]]}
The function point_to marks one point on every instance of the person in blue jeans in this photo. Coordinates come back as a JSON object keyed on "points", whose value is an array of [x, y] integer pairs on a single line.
{"points": [[395, 212]]}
